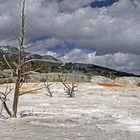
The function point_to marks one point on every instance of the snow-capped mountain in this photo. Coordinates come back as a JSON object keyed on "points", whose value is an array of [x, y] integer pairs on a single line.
{"points": [[12, 53]]}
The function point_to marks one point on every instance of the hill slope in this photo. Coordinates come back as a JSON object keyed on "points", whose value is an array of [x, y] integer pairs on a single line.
{"points": [[88, 69], [12, 53]]}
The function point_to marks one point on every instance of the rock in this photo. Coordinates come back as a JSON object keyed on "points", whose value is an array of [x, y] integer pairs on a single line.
{"points": [[118, 81], [26, 113], [127, 80], [101, 80]]}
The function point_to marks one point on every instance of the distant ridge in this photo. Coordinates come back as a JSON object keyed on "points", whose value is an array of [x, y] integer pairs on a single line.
{"points": [[88, 69], [12, 53]]}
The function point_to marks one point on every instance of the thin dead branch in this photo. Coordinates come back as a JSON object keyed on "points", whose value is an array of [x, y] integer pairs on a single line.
{"points": [[7, 76], [4, 57], [3, 98], [1, 115], [28, 72], [31, 46], [47, 87], [17, 37], [27, 29], [70, 89]]}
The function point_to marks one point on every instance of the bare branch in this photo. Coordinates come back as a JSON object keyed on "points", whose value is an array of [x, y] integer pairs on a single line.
{"points": [[33, 46], [7, 76], [1, 110], [7, 62], [1, 115], [3, 98], [47, 87], [70, 90], [9, 92], [65, 85], [4, 74], [16, 36], [28, 72], [8, 65], [27, 29]]}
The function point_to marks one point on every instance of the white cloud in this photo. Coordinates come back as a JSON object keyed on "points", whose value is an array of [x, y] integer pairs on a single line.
{"points": [[52, 54], [107, 29], [72, 5], [44, 45], [120, 61], [113, 31]]}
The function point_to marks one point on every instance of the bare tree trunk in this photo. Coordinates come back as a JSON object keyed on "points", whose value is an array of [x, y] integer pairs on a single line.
{"points": [[21, 67], [20, 61], [16, 94]]}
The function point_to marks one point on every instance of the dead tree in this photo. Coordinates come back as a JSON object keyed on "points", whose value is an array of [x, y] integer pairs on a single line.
{"points": [[21, 65], [3, 98], [47, 87], [70, 89]]}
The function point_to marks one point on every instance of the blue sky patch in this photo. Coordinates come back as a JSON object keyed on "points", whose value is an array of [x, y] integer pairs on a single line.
{"points": [[41, 38], [103, 3], [62, 49]]}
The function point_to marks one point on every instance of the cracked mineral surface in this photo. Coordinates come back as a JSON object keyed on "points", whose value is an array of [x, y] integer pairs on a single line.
{"points": [[95, 113]]}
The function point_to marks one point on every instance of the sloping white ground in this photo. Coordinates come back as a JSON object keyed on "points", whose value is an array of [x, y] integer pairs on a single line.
{"points": [[95, 113]]}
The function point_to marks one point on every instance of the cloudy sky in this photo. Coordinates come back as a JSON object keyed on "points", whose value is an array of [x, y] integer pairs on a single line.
{"points": [[102, 32]]}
